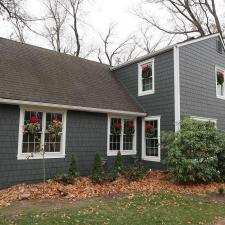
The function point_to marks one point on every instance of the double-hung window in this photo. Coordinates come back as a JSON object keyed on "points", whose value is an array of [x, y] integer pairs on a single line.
{"points": [[146, 78], [220, 86], [121, 135], [204, 119], [41, 132], [151, 138]]}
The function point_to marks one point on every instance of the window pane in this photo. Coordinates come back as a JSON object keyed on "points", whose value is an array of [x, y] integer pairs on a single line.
{"points": [[114, 142], [32, 132], [128, 135], [151, 138], [127, 142], [147, 77], [115, 136], [220, 82], [53, 132]]}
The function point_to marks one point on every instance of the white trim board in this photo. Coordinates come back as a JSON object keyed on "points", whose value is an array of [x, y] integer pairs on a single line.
{"points": [[123, 152], [48, 155], [200, 39], [143, 150], [140, 91], [69, 107], [176, 87]]}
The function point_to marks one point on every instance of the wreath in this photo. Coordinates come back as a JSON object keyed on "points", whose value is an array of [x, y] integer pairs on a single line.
{"points": [[129, 128], [55, 128], [32, 126], [149, 130], [116, 128], [220, 78], [146, 72]]}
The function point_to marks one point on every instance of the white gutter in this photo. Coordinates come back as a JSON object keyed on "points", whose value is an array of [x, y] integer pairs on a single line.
{"points": [[69, 107]]}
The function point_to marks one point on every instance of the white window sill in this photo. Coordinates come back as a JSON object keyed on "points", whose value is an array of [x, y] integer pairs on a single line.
{"points": [[152, 159], [143, 93], [221, 97], [127, 152], [28, 156]]}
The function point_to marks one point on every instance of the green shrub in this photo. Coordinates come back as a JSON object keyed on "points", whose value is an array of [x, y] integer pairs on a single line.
{"points": [[135, 172], [64, 179], [98, 173], [221, 164], [193, 152], [118, 166], [73, 171], [221, 190]]}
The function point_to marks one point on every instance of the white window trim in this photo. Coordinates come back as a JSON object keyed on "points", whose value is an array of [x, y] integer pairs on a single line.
{"points": [[219, 68], [123, 152], [143, 155], [140, 92], [48, 155], [204, 119]]}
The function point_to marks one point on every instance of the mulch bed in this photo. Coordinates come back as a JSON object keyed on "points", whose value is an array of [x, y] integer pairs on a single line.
{"points": [[154, 182]]}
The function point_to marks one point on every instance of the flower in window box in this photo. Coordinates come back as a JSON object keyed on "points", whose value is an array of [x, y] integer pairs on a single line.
{"points": [[129, 128], [116, 128], [55, 128], [220, 78], [146, 71], [149, 130], [32, 126]]}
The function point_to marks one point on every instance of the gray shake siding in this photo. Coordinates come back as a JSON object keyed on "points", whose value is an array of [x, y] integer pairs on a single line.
{"points": [[162, 101], [86, 134], [197, 81]]}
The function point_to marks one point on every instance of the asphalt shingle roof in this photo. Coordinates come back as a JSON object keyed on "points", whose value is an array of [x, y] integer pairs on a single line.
{"points": [[35, 74]]}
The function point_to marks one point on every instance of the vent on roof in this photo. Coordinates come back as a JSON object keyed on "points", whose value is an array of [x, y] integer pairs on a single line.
{"points": [[219, 46]]}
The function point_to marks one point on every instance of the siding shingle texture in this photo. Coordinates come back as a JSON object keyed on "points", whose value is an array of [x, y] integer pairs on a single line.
{"points": [[198, 82]]}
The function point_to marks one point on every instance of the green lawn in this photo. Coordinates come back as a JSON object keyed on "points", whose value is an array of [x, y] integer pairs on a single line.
{"points": [[162, 208]]}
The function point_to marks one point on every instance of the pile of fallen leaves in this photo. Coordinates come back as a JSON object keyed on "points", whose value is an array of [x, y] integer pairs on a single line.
{"points": [[84, 188]]}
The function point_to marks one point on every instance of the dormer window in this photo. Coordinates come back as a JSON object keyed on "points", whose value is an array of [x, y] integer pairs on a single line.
{"points": [[146, 77]]}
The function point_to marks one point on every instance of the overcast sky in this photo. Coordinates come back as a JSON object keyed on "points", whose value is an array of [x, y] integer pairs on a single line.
{"points": [[98, 14]]}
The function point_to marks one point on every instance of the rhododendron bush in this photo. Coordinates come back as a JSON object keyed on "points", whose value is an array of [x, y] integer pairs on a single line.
{"points": [[195, 153]]}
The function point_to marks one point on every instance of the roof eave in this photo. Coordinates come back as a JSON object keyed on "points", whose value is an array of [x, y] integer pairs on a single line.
{"points": [[139, 59], [70, 107]]}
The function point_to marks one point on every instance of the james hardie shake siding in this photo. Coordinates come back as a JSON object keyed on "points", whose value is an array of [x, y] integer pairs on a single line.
{"points": [[162, 101], [86, 134], [197, 81]]}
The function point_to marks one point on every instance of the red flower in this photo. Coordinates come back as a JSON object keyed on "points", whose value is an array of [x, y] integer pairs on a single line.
{"points": [[56, 121], [145, 69], [148, 127], [118, 125], [34, 119], [130, 125], [221, 75]]}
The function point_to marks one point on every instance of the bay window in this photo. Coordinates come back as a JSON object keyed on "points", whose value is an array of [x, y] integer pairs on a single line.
{"points": [[121, 135], [41, 131]]}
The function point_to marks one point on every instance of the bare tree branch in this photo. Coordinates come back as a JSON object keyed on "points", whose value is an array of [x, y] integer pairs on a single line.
{"points": [[189, 17], [54, 27]]}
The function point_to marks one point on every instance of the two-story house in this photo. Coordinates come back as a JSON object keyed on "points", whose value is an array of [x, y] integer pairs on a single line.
{"points": [[64, 104]]}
